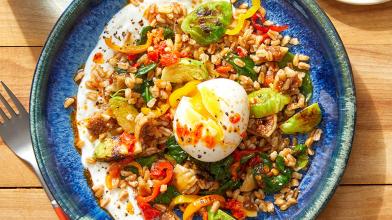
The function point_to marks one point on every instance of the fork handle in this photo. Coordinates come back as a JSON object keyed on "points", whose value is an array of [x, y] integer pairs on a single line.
{"points": [[59, 212]]}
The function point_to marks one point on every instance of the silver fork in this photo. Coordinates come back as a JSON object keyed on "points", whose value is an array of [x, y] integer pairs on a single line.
{"points": [[15, 132]]}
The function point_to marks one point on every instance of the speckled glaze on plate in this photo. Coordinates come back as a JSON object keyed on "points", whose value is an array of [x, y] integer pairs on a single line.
{"points": [[76, 34]]}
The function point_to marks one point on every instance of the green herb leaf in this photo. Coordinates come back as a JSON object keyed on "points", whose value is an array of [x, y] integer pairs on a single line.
{"points": [[132, 169], [175, 151], [220, 169], [280, 163], [166, 197], [266, 160], [117, 94], [119, 70], [246, 158], [168, 33], [274, 184], [143, 35], [147, 161], [229, 185], [145, 88], [247, 70], [307, 87], [299, 149], [288, 58], [145, 69]]}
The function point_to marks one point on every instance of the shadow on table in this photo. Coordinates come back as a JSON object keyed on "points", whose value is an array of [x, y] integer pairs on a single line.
{"points": [[36, 19], [365, 17], [366, 166]]}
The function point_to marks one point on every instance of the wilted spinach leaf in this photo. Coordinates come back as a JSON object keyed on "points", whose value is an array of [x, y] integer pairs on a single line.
{"points": [[175, 151], [166, 197], [247, 70]]}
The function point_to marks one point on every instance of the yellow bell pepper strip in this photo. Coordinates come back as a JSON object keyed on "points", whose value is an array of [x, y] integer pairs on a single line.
{"points": [[182, 199], [128, 48], [157, 112], [256, 4], [199, 203], [187, 89]]}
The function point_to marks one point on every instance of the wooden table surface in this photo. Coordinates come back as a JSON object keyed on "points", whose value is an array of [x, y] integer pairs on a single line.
{"points": [[365, 191]]}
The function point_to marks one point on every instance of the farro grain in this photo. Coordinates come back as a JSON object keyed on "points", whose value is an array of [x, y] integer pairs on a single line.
{"points": [[123, 195], [268, 23], [79, 144], [275, 42], [68, 102], [284, 207], [79, 75], [285, 40], [303, 66], [90, 160], [294, 41], [303, 57], [279, 202], [296, 60], [163, 188], [270, 207], [104, 202], [215, 206], [273, 155], [98, 190]]}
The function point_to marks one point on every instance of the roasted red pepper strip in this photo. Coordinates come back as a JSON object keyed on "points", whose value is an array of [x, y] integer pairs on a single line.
{"points": [[154, 194], [149, 213], [163, 166], [238, 154], [158, 170], [236, 208], [153, 55], [128, 140], [169, 59], [278, 28], [254, 161], [241, 52], [258, 21], [234, 168]]}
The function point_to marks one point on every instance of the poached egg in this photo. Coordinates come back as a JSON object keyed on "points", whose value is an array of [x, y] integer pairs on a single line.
{"points": [[211, 123]]}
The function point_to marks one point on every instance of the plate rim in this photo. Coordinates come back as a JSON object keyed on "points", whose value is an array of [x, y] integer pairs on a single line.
{"points": [[344, 145]]}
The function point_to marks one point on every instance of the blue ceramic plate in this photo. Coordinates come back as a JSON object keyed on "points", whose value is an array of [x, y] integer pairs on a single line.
{"points": [[76, 34]]}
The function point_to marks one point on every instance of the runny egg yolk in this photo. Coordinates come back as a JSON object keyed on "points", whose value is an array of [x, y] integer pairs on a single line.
{"points": [[205, 112]]}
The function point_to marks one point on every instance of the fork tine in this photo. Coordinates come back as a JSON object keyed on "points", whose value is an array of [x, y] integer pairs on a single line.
{"points": [[2, 114], [16, 101], [6, 104]]}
